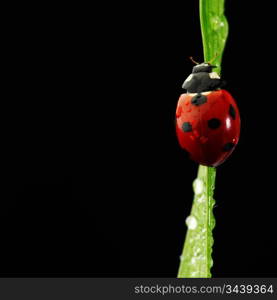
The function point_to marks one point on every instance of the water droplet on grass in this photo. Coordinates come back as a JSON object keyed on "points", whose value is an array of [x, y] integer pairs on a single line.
{"points": [[216, 23], [197, 252], [191, 222], [212, 222], [198, 186], [201, 199]]}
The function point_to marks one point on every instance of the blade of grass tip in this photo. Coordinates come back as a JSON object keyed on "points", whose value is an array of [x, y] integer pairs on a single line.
{"points": [[196, 258], [214, 30]]}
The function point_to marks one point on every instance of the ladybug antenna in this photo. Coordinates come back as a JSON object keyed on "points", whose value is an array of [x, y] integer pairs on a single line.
{"points": [[216, 55], [195, 62]]}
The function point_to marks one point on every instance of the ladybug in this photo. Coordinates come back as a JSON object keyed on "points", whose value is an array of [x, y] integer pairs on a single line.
{"points": [[207, 117]]}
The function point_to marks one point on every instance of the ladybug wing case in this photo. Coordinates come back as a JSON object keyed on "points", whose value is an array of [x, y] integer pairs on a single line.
{"points": [[208, 126]]}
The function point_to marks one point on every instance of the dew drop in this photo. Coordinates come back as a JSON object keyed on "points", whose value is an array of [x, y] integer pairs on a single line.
{"points": [[191, 222], [197, 252], [179, 111], [198, 186], [201, 199], [193, 260], [212, 222], [181, 258], [216, 23]]}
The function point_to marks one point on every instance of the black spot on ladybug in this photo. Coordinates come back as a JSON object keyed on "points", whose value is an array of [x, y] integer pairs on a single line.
{"points": [[199, 99], [232, 112], [214, 123], [227, 147], [186, 127]]}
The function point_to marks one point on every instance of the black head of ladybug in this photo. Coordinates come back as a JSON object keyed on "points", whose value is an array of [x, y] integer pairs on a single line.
{"points": [[202, 78], [204, 67]]}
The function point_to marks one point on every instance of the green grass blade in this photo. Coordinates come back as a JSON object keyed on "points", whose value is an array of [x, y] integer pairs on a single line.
{"points": [[196, 259], [214, 29]]}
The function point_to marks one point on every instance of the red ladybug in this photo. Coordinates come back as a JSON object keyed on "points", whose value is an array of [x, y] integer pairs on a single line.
{"points": [[207, 118]]}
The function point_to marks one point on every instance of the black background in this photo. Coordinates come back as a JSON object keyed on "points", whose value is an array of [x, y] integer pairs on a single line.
{"points": [[94, 181]]}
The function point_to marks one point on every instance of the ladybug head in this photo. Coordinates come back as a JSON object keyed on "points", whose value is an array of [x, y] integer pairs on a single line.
{"points": [[204, 67]]}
